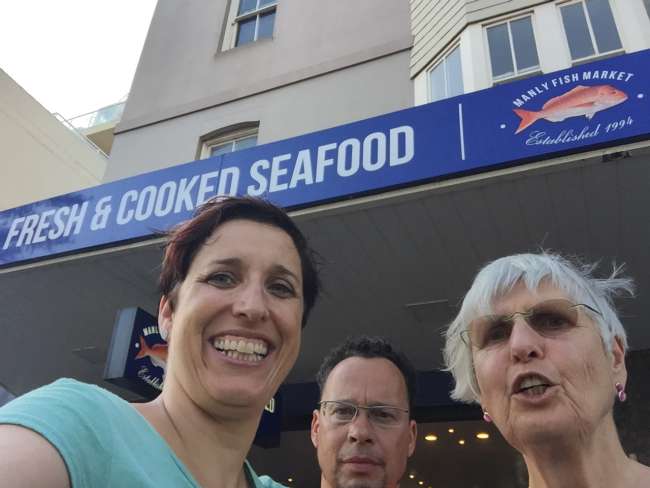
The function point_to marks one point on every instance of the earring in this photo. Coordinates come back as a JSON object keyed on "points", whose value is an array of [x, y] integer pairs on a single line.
{"points": [[162, 333], [486, 417], [620, 392]]}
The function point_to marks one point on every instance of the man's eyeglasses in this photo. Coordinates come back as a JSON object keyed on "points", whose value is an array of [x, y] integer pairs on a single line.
{"points": [[380, 415], [550, 318]]}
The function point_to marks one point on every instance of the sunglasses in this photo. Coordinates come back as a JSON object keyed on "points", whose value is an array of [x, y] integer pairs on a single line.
{"points": [[550, 318]]}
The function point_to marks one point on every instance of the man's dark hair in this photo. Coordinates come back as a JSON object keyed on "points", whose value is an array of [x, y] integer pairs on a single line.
{"points": [[369, 347]]}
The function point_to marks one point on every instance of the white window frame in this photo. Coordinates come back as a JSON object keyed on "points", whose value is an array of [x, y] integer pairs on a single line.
{"points": [[225, 136], [443, 59], [232, 23], [517, 72], [590, 28]]}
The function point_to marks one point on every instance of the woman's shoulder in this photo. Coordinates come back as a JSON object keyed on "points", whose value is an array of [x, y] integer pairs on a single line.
{"points": [[102, 439], [63, 388], [78, 418], [65, 396], [73, 417]]}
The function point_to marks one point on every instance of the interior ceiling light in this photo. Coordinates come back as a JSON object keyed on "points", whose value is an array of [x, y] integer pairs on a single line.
{"points": [[420, 482], [482, 435], [430, 437], [451, 431], [411, 476], [290, 480], [462, 442]]}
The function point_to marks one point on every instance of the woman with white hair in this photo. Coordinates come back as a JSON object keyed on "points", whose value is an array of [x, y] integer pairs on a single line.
{"points": [[538, 344]]}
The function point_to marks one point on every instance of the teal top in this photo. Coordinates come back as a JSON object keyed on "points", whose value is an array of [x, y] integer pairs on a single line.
{"points": [[102, 439]]}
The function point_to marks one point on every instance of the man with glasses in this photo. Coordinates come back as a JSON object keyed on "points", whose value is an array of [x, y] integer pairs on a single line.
{"points": [[363, 429]]}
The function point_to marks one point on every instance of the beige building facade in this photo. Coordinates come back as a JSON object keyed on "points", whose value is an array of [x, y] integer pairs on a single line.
{"points": [[323, 66], [41, 157]]}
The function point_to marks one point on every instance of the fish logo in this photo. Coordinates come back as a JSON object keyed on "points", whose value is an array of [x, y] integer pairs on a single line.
{"points": [[581, 100], [157, 353]]}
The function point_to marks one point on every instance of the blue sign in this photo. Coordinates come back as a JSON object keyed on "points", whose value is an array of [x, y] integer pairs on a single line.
{"points": [[137, 357], [592, 105]]}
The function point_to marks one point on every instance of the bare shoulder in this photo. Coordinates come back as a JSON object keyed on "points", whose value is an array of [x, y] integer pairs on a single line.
{"points": [[28, 460]]}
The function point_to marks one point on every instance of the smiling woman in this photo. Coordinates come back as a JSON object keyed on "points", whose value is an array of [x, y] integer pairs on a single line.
{"points": [[538, 344], [238, 282]]}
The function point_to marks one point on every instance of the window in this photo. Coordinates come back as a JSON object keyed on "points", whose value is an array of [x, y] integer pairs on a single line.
{"points": [[590, 28], [255, 19], [227, 141], [512, 48], [219, 148], [446, 78]]}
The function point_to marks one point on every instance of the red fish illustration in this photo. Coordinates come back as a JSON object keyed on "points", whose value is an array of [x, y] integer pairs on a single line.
{"points": [[582, 100], [156, 353]]}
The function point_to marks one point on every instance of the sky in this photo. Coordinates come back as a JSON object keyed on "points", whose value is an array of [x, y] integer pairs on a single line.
{"points": [[73, 56]]}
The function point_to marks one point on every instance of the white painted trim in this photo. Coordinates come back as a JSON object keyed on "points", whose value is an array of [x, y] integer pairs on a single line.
{"points": [[633, 15], [552, 48], [476, 63], [461, 127], [230, 32]]}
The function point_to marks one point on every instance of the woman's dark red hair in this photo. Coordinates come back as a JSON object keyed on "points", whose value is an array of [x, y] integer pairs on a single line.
{"points": [[184, 241]]}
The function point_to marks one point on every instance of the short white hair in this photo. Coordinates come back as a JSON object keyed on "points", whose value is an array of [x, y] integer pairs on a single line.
{"points": [[499, 277]]}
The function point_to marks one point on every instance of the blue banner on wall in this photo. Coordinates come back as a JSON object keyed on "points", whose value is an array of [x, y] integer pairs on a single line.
{"points": [[137, 357], [592, 105]]}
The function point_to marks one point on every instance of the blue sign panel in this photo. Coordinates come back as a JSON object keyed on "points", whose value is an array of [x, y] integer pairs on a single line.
{"points": [[137, 357], [592, 105]]}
